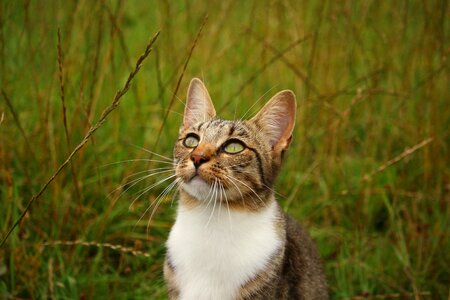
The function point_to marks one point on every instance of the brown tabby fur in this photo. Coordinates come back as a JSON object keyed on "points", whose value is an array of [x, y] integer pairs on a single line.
{"points": [[295, 270]]}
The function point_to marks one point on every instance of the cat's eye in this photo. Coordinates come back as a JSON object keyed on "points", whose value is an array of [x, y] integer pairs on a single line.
{"points": [[233, 147], [191, 141]]}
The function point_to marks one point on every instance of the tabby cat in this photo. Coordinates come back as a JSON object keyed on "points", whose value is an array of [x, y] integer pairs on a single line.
{"points": [[231, 239]]}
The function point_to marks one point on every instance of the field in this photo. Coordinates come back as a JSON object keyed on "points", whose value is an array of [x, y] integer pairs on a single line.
{"points": [[368, 171]]}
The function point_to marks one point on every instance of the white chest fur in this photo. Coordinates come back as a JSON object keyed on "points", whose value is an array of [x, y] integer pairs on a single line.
{"points": [[214, 255]]}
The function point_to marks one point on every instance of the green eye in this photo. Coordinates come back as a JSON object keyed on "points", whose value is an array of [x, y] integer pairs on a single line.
{"points": [[191, 141], [234, 147]]}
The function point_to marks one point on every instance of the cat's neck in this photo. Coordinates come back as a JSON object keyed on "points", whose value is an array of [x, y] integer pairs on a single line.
{"points": [[210, 245], [250, 203]]}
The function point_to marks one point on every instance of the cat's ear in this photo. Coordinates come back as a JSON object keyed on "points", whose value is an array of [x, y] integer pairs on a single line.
{"points": [[199, 106], [277, 119]]}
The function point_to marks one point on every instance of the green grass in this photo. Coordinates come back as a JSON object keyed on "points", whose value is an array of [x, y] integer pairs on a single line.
{"points": [[371, 79]]}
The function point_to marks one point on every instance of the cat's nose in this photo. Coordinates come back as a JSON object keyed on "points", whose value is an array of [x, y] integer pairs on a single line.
{"points": [[199, 159]]}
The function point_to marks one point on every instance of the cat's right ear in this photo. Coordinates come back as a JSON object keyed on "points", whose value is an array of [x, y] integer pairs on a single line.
{"points": [[277, 120], [199, 107]]}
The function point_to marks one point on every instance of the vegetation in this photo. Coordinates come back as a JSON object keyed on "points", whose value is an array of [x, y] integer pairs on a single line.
{"points": [[368, 171]]}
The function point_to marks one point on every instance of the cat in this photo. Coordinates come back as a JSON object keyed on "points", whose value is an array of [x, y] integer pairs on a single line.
{"points": [[231, 239]]}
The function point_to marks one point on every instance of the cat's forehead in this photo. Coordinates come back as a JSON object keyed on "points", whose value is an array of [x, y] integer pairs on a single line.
{"points": [[217, 129]]}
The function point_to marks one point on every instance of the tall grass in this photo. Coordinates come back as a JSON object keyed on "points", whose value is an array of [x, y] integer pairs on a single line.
{"points": [[368, 171]]}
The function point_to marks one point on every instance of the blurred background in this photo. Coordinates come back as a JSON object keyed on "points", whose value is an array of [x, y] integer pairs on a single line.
{"points": [[368, 172]]}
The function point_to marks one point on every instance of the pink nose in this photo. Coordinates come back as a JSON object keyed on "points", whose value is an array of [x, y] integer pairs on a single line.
{"points": [[199, 159]]}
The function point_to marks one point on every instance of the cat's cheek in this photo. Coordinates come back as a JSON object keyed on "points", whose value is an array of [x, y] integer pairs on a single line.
{"points": [[185, 172]]}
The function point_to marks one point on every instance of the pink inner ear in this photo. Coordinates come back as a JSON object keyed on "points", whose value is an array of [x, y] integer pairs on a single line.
{"points": [[277, 119], [276, 124]]}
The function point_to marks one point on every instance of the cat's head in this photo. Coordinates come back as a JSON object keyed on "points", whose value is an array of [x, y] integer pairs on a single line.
{"points": [[232, 161]]}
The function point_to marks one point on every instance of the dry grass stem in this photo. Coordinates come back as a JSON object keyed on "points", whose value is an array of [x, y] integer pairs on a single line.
{"points": [[255, 75], [51, 287], [118, 248], [303, 77], [398, 158], [393, 296], [19, 125], [64, 113], [174, 94], [102, 119]]}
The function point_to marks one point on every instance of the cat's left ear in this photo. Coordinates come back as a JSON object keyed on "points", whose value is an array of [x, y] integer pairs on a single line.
{"points": [[199, 106], [277, 119]]}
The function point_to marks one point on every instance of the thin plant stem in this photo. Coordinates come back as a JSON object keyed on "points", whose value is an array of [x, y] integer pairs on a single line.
{"points": [[102, 119]]}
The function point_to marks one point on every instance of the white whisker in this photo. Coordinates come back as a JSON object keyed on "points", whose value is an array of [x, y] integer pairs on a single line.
{"points": [[155, 201], [159, 200], [266, 186], [210, 192], [134, 182], [259, 99], [238, 164], [148, 171], [252, 190], [154, 153], [226, 201], [214, 207], [238, 189], [138, 159], [147, 189]]}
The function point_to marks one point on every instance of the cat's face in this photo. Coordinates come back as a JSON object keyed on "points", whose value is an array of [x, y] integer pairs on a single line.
{"points": [[231, 161]]}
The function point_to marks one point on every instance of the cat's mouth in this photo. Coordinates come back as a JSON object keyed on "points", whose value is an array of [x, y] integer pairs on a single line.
{"points": [[197, 178], [198, 187]]}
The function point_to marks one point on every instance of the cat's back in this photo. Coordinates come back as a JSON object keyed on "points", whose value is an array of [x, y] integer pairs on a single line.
{"points": [[303, 275]]}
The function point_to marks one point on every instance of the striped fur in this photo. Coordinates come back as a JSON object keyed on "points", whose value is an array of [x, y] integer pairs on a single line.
{"points": [[230, 239]]}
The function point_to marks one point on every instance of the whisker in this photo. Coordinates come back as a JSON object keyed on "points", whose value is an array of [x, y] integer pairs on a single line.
{"points": [[238, 164], [148, 171], [214, 207], [226, 201], [219, 192], [259, 99], [178, 189], [242, 197], [147, 189], [151, 204], [134, 160], [154, 153], [134, 182], [238, 189], [262, 201], [158, 201], [211, 189], [210, 194], [266, 186], [249, 189]]}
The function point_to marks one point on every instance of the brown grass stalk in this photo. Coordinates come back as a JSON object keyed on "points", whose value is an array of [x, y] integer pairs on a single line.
{"points": [[18, 123], [398, 158], [64, 113], [415, 295], [91, 131], [303, 77], [116, 26], [172, 100], [51, 286], [103, 68], [262, 69], [118, 248], [174, 94]]}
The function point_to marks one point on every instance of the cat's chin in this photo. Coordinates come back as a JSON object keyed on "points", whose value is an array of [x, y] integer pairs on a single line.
{"points": [[197, 188]]}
